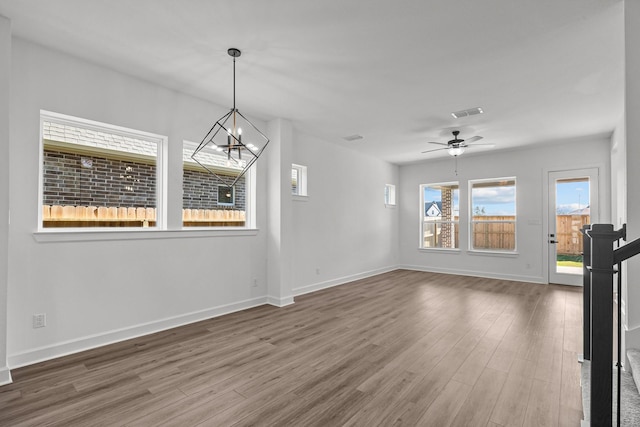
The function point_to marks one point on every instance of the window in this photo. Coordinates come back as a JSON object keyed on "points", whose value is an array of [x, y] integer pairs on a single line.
{"points": [[440, 211], [390, 195], [298, 180], [493, 214], [98, 175], [226, 195], [209, 200]]}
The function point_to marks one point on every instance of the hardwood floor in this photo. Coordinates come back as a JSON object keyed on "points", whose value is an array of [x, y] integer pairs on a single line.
{"points": [[402, 348]]}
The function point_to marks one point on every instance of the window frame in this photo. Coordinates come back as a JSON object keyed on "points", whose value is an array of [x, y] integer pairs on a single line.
{"points": [[390, 195], [422, 188], [301, 187], [233, 195], [472, 222], [161, 165], [249, 202]]}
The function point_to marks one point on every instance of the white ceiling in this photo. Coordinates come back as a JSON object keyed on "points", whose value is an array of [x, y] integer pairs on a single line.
{"points": [[392, 71]]}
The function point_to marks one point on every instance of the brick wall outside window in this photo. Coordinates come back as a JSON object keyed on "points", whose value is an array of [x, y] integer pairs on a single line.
{"points": [[107, 182], [122, 183], [200, 191]]}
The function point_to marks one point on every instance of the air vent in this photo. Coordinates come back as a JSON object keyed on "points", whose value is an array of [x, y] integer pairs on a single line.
{"points": [[352, 137], [467, 113]]}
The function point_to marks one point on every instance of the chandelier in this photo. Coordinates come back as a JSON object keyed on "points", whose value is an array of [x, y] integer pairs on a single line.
{"points": [[233, 144]]}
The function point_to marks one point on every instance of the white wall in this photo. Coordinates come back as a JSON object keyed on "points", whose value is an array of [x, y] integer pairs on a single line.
{"points": [[5, 71], [530, 167], [279, 241], [632, 138], [94, 292], [342, 230], [618, 177], [100, 291]]}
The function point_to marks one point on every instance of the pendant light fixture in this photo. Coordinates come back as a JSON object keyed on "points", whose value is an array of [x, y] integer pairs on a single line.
{"points": [[233, 144]]}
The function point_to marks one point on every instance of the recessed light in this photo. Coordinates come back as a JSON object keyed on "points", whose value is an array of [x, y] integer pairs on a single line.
{"points": [[467, 112]]}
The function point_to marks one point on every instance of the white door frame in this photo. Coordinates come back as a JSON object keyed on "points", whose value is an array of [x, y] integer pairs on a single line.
{"points": [[593, 174]]}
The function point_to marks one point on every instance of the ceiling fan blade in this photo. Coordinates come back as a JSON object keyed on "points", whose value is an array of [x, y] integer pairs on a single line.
{"points": [[481, 145], [439, 143], [472, 139], [437, 149]]}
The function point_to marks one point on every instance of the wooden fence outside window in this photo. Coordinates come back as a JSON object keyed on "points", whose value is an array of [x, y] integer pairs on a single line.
{"points": [[498, 233]]}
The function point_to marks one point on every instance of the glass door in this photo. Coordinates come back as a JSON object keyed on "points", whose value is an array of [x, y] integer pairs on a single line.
{"points": [[573, 202]]}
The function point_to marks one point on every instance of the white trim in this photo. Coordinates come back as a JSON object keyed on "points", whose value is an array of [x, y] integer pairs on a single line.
{"points": [[549, 250], [341, 281], [96, 235], [301, 185], [300, 197], [505, 254], [93, 341], [5, 376], [456, 251], [161, 159], [390, 195], [488, 275], [280, 302], [423, 217], [471, 221]]}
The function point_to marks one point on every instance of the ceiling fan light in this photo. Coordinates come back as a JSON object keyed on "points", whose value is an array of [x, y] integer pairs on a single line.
{"points": [[455, 151]]}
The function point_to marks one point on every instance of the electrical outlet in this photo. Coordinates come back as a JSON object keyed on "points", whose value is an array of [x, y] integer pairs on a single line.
{"points": [[39, 320], [317, 271], [255, 283]]}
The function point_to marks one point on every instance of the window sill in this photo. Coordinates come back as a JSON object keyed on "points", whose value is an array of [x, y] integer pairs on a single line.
{"points": [[494, 253], [441, 250], [386, 205], [300, 198], [95, 235]]}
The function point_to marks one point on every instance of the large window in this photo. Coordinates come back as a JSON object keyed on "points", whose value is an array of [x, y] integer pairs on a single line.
{"points": [[493, 214], [440, 211], [210, 200], [98, 175]]}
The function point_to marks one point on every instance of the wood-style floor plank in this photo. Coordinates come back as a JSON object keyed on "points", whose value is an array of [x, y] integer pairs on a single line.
{"points": [[401, 348]]}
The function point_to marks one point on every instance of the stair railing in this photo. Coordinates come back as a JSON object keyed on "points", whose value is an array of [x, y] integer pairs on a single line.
{"points": [[600, 262]]}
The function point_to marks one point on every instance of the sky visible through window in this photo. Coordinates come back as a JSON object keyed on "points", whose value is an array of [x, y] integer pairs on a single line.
{"points": [[494, 201], [435, 195], [572, 196]]}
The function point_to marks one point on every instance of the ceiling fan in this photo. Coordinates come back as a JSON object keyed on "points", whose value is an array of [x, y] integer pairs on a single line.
{"points": [[457, 146]]}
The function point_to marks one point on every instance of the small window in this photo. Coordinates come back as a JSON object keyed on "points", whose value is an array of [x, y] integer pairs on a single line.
{"points": [[440, 215], [298, 180], [98, 175], [493, 215], [208, 199], [390, 195], [226, 195]]}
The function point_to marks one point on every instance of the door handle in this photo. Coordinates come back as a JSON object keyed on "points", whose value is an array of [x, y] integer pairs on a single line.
{"points": [[553, 241]]}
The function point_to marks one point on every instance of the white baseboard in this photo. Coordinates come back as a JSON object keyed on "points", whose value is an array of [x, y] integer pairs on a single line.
{"points": [[340, 281], [5, 376], [492, 275], [53, 351], [280, 302], [86, 343]]}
